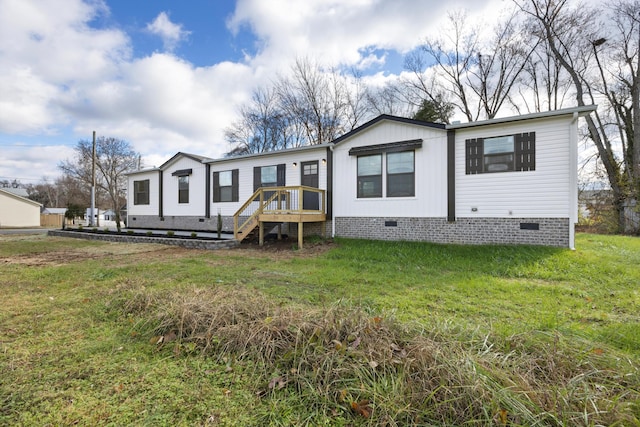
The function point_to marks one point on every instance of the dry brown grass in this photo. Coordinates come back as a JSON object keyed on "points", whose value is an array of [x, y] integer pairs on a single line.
{"points": [[343, 359]]}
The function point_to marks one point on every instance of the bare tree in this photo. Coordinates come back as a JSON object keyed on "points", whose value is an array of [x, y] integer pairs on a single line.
{"points": [[390, 99], [316, 98], [543, 84], [114, 159], [309, 106], [476, 77], [262, 126], [45, 193], [601, 69]]}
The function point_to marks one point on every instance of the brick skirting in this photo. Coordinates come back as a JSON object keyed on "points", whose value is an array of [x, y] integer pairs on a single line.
{"points": [[475, 231]]}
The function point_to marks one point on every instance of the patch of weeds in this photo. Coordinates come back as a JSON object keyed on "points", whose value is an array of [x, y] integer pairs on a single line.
{"points": [[343, 363], [194, 234], [149, 233], [171, 233]]}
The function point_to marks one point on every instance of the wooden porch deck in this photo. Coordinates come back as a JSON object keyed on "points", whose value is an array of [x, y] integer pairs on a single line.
{"points": [[278, 205]]}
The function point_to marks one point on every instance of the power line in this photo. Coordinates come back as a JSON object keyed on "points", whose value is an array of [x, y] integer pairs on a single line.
{"points": [[15, 178]]}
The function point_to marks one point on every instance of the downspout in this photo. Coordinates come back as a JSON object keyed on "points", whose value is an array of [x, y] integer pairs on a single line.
{"points": [[160, 213], [207, 186], [451, 175], [330, 184], [573, 179]]}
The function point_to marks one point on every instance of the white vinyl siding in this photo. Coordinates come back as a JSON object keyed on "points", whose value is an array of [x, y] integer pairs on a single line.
{"points": [[147, 209], [245, 167], [430, 173], [197, 190], [544, 192]]}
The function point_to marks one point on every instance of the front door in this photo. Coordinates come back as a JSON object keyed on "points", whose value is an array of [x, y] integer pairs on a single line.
{"points": [[310, 200]]}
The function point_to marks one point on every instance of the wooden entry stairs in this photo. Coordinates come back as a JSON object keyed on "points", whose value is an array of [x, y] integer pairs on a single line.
{"points": [[271, 206]]}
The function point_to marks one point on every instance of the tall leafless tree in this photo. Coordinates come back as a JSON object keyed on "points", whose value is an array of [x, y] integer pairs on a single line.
{"points": [[475, 75], [310, 105], [114, 159], [599, 49]]}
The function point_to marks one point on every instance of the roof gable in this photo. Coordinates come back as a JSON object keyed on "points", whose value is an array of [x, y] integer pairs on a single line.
{"points": [[387, 117], [180, 154], [20, 198]]}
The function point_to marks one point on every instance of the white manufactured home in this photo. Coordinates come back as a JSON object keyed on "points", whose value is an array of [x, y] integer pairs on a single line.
{"points": [[511, 180]]}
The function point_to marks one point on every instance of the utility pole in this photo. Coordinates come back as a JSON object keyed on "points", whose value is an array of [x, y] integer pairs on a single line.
{"points": [[92, 222]]}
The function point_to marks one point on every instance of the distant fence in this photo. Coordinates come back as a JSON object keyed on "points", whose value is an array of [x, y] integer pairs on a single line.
{"points": [[51, 220]]}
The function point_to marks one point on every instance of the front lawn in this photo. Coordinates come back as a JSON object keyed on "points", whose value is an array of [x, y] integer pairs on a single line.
{"points": [[343, 333]]}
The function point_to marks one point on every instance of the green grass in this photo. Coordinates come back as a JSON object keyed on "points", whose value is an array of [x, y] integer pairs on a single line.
{"points": [[509, 324]]}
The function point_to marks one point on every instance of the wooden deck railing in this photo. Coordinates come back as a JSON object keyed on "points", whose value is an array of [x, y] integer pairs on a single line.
{"points": [[279, 204]]}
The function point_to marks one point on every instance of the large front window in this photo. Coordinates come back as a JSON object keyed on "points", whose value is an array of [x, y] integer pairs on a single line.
{"points": [[183, 189], [399, 177]]}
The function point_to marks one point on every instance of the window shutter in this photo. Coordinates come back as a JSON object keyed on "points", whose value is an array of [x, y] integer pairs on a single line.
{"points": [[282, 175], [216, 187], [525, 151], [473, 156], [257, 175], [234, 186]]}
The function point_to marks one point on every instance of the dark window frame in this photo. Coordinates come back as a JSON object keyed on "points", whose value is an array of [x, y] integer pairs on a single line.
{"points": [[183, 193], [523, 156], [280, 176], [218, 193], [141, 195], [375, 179], [410, 145], [400, 175]]}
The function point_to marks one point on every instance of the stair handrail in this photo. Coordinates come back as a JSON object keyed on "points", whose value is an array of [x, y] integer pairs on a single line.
{"points": [[262, 203]]}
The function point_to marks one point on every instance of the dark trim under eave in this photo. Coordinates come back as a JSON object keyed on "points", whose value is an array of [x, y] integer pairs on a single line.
{"points": [[451, 175], [387, 148], [182, 172]]}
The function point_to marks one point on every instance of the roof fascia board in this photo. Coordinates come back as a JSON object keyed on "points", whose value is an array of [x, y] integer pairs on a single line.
{"points": [[268, 153], [23, 199], [583, 110], [387, 117]]}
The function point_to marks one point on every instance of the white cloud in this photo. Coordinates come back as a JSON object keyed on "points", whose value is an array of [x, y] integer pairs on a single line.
{"points": [[61, 76], [337, 31], [170, 33]]}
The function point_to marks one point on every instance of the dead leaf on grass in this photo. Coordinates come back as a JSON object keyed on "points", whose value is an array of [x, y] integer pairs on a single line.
{"points": [[361, 408]]}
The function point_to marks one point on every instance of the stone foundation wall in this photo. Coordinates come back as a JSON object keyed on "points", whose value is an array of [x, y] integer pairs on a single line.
{"points": [[175, 241], [475, 231], [189, 223], [193, 223]]}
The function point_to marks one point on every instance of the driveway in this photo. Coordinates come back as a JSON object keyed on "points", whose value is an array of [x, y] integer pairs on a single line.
{"points": [[23, 230]]}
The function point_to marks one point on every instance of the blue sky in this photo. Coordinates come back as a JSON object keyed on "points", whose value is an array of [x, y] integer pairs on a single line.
{"points": [[170, 75]]}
